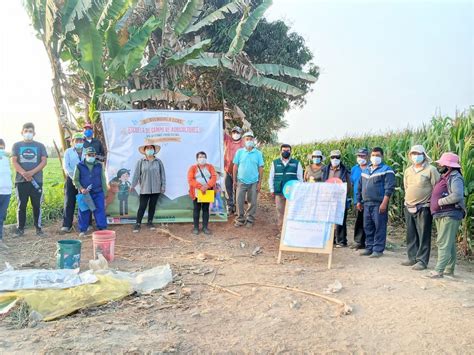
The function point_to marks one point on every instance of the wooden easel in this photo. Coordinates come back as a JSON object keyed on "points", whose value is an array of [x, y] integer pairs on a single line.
{"points": [[328, 249]]}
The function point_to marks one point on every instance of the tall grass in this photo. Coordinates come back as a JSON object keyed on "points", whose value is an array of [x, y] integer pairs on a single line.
{"points": [[442, 134]]}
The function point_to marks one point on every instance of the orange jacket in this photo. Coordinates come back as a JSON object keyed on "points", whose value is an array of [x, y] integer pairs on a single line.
{"points": [[194, 184]]}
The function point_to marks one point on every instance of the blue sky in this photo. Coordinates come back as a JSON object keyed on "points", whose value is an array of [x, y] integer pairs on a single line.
{"points": [[384, 65]]}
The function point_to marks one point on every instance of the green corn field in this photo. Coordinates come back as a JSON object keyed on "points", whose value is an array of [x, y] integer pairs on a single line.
{"points": [[442, 134]]}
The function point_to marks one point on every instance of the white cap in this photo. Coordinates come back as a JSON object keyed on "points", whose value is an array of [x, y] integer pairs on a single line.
{"points": [[419, 149], [248, 134]]}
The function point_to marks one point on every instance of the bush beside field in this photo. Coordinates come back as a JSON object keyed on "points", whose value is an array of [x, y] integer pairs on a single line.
{"points": [[442, 134]]}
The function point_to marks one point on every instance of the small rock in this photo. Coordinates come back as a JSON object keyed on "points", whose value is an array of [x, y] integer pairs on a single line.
{"points": [[257, 250], [295, 304], [186, 291], [468, 304], [335, 287], [196, 315], [242, 245]]}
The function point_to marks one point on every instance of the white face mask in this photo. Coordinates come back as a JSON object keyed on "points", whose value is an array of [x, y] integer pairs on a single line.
{"points": [[335, 162], [375, 160], [236, 136], [361, 161], [202, 161], [28, 136]]}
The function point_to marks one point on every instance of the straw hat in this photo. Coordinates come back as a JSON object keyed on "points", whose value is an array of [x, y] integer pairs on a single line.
{"points": [[421, 150], [141, 148]]}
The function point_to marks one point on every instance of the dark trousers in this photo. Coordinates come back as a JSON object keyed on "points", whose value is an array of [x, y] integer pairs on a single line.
{"points": [[197, 211], [340, 233], [123, 204], [70, 194], [26, 191], [375, 227], [4, 201], [149, 200], [229, 192], [359, 233], [99, 213], [419, 235]]}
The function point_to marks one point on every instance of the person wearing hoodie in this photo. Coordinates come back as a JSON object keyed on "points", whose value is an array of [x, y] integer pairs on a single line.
{"points": [[232, 143], [448, 209], [336, 169], [376, 186], [418, 181]]}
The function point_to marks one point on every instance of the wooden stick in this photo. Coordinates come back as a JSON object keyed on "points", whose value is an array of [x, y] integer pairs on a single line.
{"points": [[346, 309], [171, 235], [220, 288]]}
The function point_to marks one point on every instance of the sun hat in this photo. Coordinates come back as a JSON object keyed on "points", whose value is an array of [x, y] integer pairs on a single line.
{"points": [[449, 159], [335, 152], [419, 149], [141, 148], [316, 153], [248, 134], [237, 129], [77, 135]]}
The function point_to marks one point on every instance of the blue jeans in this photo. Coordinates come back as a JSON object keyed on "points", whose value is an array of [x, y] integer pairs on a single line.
{"points": [[4, 201], [375, 227], [99, 213]]}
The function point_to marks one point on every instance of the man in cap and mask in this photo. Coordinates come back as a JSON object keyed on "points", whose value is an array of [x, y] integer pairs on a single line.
{"points": [[232, 143], [90, 141], [419, 180]]}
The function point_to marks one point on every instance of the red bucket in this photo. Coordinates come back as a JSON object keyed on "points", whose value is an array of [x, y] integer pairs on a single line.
{"points": [[104, 243]]}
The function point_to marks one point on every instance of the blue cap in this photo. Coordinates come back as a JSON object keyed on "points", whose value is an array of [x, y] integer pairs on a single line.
{"points": [[363, 151]]}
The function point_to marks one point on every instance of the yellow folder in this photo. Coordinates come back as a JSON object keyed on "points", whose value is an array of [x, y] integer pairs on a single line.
{"points": [[207, 197]]}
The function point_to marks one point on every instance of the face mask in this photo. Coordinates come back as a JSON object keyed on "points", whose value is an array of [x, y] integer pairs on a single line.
{"points": [[90, 160], [442, 169], [2, 152], [417, 159], [202, 161], [285, 155], [250, 144], [361, 161], [236, 136], [88, 133], [375, 160], [79, 145], [28, 136], [335, 162], [150, 152], [317, 160]]}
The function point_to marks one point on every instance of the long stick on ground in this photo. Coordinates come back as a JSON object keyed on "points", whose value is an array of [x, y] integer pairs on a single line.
{"points": [[346, 309], [171, 235]]}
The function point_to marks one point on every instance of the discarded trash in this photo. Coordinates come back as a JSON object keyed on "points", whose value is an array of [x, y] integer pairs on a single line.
{"points": [[12, 280], [257, 250], [99, 264], [335, 287], [242, 245]]}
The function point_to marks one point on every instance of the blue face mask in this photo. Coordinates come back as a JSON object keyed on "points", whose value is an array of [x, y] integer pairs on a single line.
{"points": [[90, 160], [417, 159], [79, 145], [2, 152], [150, 152], [88, 133], [250, 144], [316, 160]]}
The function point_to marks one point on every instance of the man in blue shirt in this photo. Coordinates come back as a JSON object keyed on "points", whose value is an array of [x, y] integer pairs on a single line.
{"points": [[356, 172], [247, 174], [376, 186]]}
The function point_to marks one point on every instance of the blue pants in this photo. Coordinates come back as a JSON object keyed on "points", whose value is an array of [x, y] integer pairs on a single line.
{"points": [[4, 201], [99, 213], [375, 227]]}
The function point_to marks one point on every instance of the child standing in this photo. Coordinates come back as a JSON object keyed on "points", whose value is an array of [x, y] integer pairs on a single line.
{"points": [[89, 179]]}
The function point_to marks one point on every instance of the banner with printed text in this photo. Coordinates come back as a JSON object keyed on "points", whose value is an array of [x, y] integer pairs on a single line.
{"points": [[180, 134]]}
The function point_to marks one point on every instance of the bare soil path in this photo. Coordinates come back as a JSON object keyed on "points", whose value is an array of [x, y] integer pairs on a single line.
{"points": [[395, 310]]}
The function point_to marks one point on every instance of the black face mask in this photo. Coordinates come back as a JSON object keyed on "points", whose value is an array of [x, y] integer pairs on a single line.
{"points": [[443, 169], [285, 154]]}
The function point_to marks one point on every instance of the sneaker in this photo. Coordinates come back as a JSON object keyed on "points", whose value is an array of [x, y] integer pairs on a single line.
{"points": [[376, 254], [82, 235], [355, 246], [408, 263], [196, 231], [151, 226], [66, 229], [206, 231], [448, 273], [342, 245], [40, 233], [365, 252], [136, 228], [3, 245], [19, 232], [419, 266]]}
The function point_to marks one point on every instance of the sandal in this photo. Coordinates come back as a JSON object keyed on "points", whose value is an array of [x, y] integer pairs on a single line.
{"points": [[434, 275]]}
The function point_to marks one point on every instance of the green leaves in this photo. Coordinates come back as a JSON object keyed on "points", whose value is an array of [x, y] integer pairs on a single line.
{"points": [[246, 26], [154, 94], [114, 101], [111, 11], [231, 8], [280, 86], [282, 70], [73, 10], [188, 53], [190, 13], [90, 45]]}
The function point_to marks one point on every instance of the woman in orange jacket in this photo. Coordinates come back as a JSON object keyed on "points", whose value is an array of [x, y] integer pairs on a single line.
{"points": [[201, 176]]}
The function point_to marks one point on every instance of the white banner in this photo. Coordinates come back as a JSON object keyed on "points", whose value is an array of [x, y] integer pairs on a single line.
{"points": [[181, 134]]}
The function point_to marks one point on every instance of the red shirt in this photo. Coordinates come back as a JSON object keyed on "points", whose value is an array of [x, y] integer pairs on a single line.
{"points": [[230, 148]]}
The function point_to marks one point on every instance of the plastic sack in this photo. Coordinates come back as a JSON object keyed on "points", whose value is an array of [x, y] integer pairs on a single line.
{"points": [[85, 202], [52, 304]]}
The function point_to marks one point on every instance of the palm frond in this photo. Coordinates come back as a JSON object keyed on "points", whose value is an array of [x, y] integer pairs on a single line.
{"points": [[269, 83], [283, 70], [72, 11], [190, 13], [188, 53], [114, 101], [154, 94]]}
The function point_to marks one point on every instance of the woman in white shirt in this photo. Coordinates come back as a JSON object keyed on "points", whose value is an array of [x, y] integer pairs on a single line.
{"points": [[5, 188]]}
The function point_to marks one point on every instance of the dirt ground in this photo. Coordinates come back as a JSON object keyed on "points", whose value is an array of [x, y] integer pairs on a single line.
{"points": [[395, 309]]}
